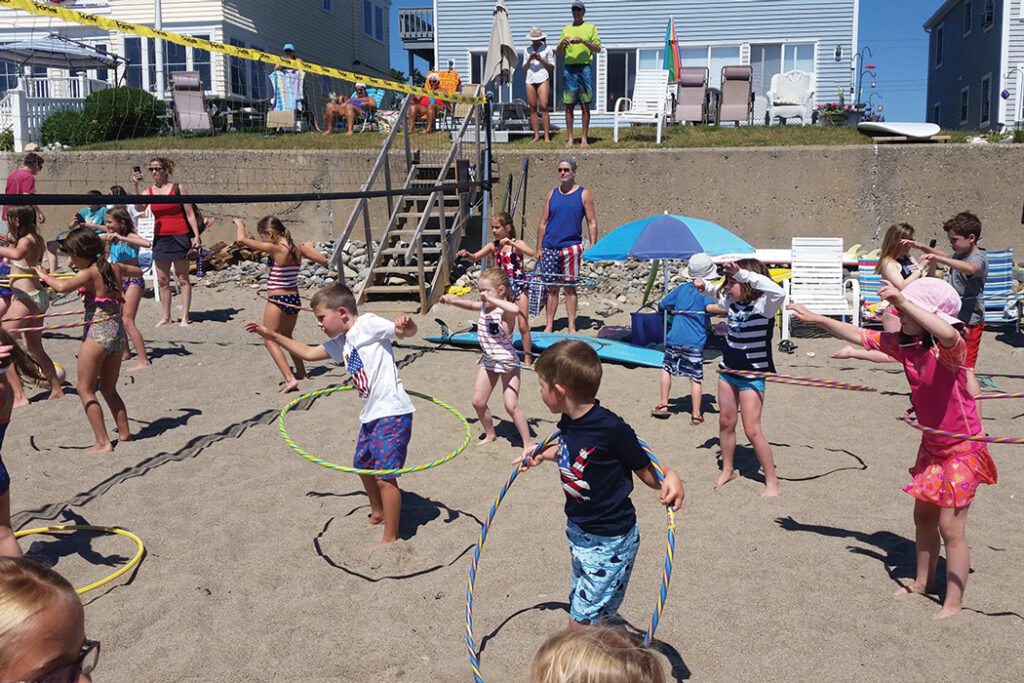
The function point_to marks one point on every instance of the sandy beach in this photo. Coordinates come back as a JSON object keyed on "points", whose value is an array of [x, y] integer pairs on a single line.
{"points": [[261, 566]]}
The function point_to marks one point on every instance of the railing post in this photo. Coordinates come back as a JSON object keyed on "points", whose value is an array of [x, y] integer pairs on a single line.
{"points": [[19, 110], [485, 210]]}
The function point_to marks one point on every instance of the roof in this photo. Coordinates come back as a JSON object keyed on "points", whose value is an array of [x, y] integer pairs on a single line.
{"points": [[940, 14]]}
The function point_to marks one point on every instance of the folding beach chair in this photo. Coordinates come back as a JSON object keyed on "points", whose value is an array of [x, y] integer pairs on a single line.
{"points": [[190, 112], [1002, 304]]}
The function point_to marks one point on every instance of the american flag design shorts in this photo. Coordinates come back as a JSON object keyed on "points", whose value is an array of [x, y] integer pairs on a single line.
{"points": [[383, 444]]}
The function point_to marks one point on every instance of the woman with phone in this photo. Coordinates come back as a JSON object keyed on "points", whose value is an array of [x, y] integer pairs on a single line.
{"points": [[176, 232]]}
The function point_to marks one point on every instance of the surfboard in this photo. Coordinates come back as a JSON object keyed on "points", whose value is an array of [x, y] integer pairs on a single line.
{"points": [[907, 130], [607, 349]]}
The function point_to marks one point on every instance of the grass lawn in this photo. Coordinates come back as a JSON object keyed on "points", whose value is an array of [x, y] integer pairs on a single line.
{"points": [[674, 137]]}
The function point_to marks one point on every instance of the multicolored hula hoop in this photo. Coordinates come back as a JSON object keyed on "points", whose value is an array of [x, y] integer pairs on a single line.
{"points": [[354, 470], [962, 437], [983, 397], [666, 574], [63, 326], [45, 315], [799, 381], [87, 527], [504, 362]]}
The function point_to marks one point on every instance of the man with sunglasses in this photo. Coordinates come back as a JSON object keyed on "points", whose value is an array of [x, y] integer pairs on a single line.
{"points": [[578, 45]]}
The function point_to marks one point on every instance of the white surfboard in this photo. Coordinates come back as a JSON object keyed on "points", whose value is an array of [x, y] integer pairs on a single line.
{"points": [[907, 130]]}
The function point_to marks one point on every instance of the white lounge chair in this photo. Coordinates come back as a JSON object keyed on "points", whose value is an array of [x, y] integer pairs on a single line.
{"points": [[817, 282], [649, 103], [145, 226], [791, 96]]}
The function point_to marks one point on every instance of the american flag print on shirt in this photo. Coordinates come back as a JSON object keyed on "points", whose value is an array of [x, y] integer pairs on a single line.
{"points": [[572, 472], [354, 364]]}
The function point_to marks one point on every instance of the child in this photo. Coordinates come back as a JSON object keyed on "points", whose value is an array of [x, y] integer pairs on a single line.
{"points": [[947, 471], [282, 311], [42, 626], [10, 354], [752, 299], [363, 343], [508, 253], [104, 344], [494, 330], [595, 654], [684, 345], [29, 299], [123, 246], [596, 451], [968, 269]]}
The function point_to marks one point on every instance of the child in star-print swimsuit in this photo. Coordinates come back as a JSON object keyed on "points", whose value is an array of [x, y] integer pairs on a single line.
{"points": [[597, 455]]}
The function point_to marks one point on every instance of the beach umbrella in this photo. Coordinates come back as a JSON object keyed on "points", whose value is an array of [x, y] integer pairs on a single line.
{"points": [[671, 51], [502, 56]]}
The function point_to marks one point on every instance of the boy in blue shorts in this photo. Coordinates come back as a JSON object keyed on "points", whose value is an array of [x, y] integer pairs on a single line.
{"points": [[597, 454], [684, 345], [363, 343]]}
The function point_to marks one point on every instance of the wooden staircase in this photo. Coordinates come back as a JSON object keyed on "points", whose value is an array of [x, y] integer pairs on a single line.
{"points": [[412, 264]]}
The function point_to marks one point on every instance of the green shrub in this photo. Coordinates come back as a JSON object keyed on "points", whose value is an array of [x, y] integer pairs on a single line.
{"points": [[1018, 133], [7, 141], [125, 112], [66, 127]]}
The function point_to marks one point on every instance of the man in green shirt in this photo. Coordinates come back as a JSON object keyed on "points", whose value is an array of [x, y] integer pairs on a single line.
{"points": [[578, 45]]}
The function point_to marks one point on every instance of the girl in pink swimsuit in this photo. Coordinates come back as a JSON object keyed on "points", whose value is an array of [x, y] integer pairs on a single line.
{"points": [[99, 356], [498, 315], [947, 471]]}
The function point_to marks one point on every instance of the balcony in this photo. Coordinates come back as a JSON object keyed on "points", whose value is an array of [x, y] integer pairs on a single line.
{"points": [[416, 26]]}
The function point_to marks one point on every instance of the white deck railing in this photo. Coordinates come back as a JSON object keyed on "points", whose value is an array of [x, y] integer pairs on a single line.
{"points": [[24, 109]]}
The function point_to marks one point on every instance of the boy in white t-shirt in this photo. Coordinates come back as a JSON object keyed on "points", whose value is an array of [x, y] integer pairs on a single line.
{"points": [[363, 343]]}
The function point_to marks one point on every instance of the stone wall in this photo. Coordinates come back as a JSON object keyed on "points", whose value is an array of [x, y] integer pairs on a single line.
{"points": [[766, 195]]}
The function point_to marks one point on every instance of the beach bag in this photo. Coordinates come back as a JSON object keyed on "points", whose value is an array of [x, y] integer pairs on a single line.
{"points": [[200, 220], [647, 327]]}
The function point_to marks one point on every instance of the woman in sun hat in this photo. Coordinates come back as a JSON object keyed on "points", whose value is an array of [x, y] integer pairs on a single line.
{"points": [[538, 61]]}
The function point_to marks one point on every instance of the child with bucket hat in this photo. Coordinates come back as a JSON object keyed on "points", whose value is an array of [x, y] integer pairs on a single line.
{"points": [[684, 344], [947, 471]]}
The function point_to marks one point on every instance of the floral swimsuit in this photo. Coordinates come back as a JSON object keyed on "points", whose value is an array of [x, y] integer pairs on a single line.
{"points": [[109, 334]]}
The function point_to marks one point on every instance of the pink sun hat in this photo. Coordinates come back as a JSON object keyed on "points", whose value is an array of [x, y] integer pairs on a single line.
{"points": [[935, 296]]}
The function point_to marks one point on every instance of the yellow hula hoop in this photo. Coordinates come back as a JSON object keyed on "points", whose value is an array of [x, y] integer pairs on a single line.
{"points": [[85, 527], [354, 470]]}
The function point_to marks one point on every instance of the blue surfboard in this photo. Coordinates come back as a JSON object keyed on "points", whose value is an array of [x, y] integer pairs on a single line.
{"points": [[607, 349]]}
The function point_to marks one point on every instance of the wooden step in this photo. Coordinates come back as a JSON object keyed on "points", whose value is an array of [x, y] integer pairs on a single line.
{"points": [[411, 232], [399, 270], [392, 289], [399, 251], [417, 214]]}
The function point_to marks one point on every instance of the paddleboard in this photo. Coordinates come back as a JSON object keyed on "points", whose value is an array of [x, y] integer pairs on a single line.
{"points": [[607, 349], [908, 130]]}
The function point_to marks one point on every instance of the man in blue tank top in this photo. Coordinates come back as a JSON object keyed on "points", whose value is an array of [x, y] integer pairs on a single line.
{"points": [[559, 238]]}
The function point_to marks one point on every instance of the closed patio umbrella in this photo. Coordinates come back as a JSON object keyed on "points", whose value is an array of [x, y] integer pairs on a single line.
{"points": [[502, 56]]}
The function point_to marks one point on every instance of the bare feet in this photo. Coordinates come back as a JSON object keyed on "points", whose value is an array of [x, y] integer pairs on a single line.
{"points": [[54, 395], [127, 437], [386, 541], [547, 139], [569, 144], [910, 589], [947, 611], [139, 366], [327, 132], [101, 448], [535, 139], [486, 438], [845, 352], [184, 322], [422, 132], [725, 477], [349, 132], [375, 518], [18, 402], [165, 321], [771, 489], [292, 385], [584, 143]]}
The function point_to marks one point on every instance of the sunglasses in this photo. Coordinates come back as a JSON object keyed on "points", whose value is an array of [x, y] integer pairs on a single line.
{"points": [[565, 170], [154, 169], [84, 664], [577, 9]]}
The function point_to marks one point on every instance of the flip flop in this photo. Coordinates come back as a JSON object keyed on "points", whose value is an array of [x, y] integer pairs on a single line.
{"points": [[660, 410]]}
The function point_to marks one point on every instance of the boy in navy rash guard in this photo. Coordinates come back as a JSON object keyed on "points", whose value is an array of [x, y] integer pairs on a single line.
{"points": [[597, 454]]}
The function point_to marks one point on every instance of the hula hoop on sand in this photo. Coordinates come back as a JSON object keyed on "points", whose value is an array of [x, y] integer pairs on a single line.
{"points": [[963, 437], [88, 527], [63, 326], [799, 381], [354, 470], [666, 574], [44, 315]]}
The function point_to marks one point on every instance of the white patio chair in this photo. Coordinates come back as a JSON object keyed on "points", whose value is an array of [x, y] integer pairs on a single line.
{"points": [[791, 96], [649, 104], [816, 281], [145, 225]]}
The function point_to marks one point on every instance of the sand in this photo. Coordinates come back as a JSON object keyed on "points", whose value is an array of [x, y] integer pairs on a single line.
{"points": [[261, 566]]}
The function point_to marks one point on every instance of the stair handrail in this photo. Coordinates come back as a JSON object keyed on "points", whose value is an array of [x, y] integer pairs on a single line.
{"points": [[374, 257]]}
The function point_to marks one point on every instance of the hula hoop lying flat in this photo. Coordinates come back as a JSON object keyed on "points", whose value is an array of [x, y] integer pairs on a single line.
{"points": [[963, 437], [794, 379], [666, 573], [355, 470], [85, 527]]}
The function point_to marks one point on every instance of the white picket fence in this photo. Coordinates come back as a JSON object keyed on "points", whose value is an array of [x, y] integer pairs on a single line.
{"points": [[24, 109]]}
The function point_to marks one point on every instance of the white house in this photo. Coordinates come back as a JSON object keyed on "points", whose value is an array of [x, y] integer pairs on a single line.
{"points": [[975, 56], [772, 36]]}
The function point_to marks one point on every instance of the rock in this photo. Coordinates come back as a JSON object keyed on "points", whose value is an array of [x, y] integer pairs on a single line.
{"points": [[621, 299]]}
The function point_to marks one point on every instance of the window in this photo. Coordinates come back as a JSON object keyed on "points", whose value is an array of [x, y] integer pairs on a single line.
{"points": [[8, 76], [965, 100], [239, 74], [798, 56], [141, 72], [938, 46], [328, 5], [986, 98], [714, 57], [141, 54], [374, 18], [988, 16], [621, 74], [101, 74], [967, 16], [935, 114], [201, 62]]}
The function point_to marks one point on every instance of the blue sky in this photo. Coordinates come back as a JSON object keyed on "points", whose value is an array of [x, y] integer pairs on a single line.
{"points": [[892, 29]]}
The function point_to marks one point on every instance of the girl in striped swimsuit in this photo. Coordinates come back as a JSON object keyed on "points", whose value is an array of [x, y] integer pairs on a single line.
{"points": [[282, 309], [508, 252], [498, 315], [752, 299]]}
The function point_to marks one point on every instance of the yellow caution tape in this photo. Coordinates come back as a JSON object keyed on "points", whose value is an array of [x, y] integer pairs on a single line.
{"points": [[232, 50]]}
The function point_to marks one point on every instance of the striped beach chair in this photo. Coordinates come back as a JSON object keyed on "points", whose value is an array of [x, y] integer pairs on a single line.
{"points": [[1002, 304], [870, 284]]}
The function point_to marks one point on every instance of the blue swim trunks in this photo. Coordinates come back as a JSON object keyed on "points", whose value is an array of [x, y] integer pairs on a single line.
{"points": [[601, 566], [684, 361], [577, 84], [743, 383], [383, 444]]}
